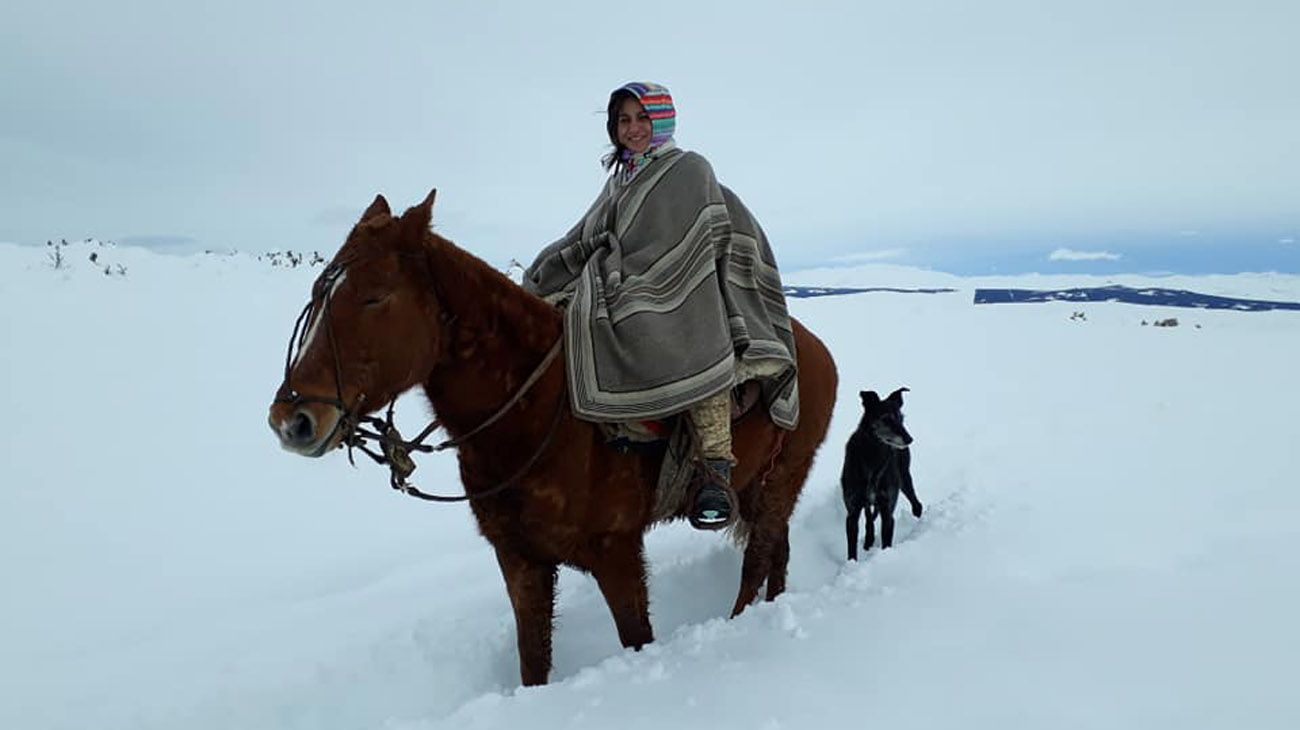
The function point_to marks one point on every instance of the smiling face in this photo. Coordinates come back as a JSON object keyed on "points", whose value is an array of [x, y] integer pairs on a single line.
{"points": [[634, 129]]}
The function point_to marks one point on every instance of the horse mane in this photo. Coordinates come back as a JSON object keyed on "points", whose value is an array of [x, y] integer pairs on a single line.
{"points": [[486, 299]]}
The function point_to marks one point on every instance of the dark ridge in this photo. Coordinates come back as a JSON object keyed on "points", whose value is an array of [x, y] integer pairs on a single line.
{"points": [[805, 292], [1128, 295]]}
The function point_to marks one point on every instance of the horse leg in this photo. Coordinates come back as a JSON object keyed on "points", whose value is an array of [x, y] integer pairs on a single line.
{"points": [[531, 586], [619, 569], [756, 565], [780, 560], [767, 556]]}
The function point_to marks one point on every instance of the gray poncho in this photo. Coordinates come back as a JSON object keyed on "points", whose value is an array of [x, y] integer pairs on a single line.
{"points": [[649, 330]]}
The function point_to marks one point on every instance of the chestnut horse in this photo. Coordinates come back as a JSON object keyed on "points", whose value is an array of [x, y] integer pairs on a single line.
{"points": [[402, 306]]}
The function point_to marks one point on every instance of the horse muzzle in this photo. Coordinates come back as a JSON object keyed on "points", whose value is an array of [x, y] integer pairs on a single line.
{"points": [[307, 429]]}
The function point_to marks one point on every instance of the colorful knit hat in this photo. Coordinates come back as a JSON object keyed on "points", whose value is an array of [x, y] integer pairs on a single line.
{"points": [[658, 104]]}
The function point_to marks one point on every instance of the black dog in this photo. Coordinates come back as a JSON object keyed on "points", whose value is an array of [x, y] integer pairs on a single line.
{"points": [[876, 467]]}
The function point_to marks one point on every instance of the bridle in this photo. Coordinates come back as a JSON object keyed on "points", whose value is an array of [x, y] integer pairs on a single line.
{"points": [[394, 451]]}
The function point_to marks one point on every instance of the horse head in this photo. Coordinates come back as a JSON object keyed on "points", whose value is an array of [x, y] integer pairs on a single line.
{"points": [[365, 335]]}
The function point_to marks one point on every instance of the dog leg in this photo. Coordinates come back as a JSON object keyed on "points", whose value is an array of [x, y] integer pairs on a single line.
{"points": [[909, 491], [886, 530], [851, 529], [870, 538]]}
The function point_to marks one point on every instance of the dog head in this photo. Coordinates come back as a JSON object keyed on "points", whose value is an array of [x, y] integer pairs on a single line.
{"points": [[884, 418]]}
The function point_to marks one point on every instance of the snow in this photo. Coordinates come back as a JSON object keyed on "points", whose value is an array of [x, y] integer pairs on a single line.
{"points": [[1108, 541]]}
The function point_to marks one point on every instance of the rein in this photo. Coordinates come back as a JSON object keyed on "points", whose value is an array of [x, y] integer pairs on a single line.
{"points": [[394, 451]]}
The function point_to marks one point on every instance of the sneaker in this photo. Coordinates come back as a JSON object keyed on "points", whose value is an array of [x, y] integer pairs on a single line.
{"points": [[713, 507]]}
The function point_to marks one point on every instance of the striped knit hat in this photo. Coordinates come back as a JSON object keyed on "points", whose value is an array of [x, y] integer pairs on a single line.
{"points": [[658, 104]]}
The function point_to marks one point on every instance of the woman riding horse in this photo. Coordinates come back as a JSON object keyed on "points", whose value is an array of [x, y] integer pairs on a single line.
{"points": [[672, 297]]}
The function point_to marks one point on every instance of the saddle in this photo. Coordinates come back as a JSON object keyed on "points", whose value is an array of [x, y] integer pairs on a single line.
{"points": [[672, 440], [653, 435]]}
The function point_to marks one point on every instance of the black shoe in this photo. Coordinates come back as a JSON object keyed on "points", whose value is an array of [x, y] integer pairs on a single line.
{"points": [[714, 505]]}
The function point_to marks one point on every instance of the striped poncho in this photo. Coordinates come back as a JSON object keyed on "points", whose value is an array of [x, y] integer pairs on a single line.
{"points": [[673, 296]]}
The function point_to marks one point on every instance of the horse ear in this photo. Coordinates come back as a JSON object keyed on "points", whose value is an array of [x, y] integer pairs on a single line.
{"points": [[379, 207], [420, 215], [896, 398]]}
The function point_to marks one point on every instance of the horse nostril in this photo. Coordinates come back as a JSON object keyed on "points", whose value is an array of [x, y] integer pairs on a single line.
{"points": [[301, 430]]}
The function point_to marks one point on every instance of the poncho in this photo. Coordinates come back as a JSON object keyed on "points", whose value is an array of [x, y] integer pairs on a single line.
{"points": [[672, 296]]}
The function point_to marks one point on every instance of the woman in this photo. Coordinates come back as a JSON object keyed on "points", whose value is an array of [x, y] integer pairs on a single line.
{"points": [[672, 297]]}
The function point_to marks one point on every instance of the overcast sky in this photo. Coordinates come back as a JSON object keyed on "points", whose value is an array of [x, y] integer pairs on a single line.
{"points": [[852, 129]]}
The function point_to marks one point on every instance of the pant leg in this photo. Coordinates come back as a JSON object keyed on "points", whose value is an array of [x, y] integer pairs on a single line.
{"points": [[712, 420]]}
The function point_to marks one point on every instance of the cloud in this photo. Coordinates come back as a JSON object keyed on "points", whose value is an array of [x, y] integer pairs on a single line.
{"points": [[1065, 254], [986, 166], [1286, 240], [867, 256]]}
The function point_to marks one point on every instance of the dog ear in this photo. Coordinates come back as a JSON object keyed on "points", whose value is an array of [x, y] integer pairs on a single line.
{"points": [[869, 397], [896, 398]]}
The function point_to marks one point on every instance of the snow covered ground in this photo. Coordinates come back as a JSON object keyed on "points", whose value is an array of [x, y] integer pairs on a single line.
{"points": [[1112, 515]]}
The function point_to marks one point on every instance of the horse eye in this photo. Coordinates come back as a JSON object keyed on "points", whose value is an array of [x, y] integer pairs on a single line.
{"points": [[374, 301]]}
